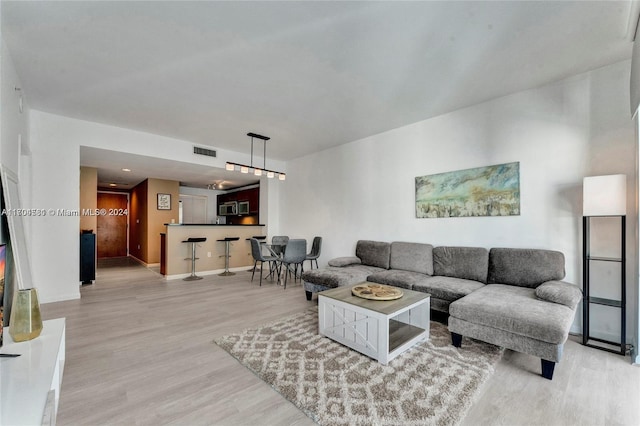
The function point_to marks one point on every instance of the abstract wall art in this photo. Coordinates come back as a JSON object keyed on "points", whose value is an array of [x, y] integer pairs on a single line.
{"points": [[481, 191]]}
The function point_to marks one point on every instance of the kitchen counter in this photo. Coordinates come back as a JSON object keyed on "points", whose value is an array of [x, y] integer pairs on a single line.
{"points": [[176, 262], [209, 224]]}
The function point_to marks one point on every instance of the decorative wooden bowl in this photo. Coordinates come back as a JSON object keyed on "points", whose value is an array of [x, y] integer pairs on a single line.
{"points": [[374, 291]]}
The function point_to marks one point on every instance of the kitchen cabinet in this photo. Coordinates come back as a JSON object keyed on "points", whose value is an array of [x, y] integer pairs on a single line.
{"points": [[254, 200], [247, 195]]}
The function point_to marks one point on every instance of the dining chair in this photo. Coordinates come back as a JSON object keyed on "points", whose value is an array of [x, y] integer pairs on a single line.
{"points": [[295, 255], [256, 252], [278, 241], [314, 254]]}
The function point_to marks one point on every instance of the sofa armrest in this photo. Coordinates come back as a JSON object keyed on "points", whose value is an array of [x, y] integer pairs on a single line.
{"points": [[345, 261], [560, 292]]}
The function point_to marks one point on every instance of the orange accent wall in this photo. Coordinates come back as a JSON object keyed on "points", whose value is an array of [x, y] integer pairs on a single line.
{"points": [[146, 222], [156, 219], [88, 197]]}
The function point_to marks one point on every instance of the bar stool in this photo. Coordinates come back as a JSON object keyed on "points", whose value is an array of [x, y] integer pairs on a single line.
{"points": [[261, 238], [193, 258], [227, 242]]}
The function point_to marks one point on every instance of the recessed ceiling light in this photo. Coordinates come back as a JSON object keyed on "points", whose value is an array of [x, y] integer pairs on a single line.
{"points": [[126, 170]]}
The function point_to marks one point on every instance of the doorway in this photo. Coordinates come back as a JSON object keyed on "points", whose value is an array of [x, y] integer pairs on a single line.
{"points": [[112, 223]]}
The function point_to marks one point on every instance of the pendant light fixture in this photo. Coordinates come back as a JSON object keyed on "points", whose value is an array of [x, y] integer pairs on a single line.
{"points": [[243, 168]]}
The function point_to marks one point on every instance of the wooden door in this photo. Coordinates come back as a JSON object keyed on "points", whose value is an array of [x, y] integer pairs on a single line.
{"points": [[112, 224]]}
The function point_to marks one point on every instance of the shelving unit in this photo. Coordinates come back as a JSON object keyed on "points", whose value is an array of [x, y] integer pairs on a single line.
{"points": [[588, 262]]}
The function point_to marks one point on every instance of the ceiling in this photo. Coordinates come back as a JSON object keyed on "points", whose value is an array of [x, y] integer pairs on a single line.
{"points": [[110, 165], [311, 75]]}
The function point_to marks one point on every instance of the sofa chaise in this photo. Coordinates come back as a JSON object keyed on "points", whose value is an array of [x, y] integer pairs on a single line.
{"points": [[508, 297]]}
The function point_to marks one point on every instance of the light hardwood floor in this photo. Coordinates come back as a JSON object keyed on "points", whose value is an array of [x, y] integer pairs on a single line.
{"points": [[140, 351]]}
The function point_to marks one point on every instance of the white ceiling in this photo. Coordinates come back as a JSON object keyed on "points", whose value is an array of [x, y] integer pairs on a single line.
{"points": [[311, 75], [110, 165]]}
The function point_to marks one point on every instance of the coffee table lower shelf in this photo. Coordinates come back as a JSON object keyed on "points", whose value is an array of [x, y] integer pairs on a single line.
{"points": [[381, 330], [400, 333]]}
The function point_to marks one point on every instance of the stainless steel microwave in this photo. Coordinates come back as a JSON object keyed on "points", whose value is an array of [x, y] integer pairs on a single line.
{"points": [[229, 208]]}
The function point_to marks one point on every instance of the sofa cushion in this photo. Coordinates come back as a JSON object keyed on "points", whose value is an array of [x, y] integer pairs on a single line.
{"points": [[515, 310], [374, 253], [414, 257], [439, 305], [559, 292], [345, 261], [333, 277], [469, 263], [447, 288], [524, 267], [397, 278]]}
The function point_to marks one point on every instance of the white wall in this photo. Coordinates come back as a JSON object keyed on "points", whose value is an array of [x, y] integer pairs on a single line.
{"points": [[635, 78], [14, 137], [559, 133], [55, 152], [212, 198], [15, 124], [15, 149]]}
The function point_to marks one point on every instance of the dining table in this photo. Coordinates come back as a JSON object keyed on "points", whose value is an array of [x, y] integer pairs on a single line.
{"points": [[277, 250]]}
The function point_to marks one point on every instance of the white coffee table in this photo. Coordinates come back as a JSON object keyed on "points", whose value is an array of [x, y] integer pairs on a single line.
{"points": [[381, 330]]}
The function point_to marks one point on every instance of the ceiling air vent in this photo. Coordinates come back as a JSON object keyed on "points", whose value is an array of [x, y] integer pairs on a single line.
{"points": [[204, 151]]}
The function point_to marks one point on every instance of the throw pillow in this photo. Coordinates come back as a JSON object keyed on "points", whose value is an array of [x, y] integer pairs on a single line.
{"points": [[345, 261], [559, 292]]}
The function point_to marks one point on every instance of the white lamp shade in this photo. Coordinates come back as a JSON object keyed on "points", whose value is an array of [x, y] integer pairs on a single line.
{"points": [[604, 195]]}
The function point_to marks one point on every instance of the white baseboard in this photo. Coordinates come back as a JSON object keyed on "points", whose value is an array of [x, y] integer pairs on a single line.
{"points": [[59, 298], [210, 272]]}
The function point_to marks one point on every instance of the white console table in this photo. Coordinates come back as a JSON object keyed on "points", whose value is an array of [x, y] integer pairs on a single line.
{"points": [[30, 383]]}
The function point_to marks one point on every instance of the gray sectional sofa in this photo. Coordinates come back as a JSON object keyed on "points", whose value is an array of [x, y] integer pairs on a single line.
{"points": [[509, 297]]}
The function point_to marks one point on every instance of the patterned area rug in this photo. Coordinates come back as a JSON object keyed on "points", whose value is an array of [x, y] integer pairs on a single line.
{"points": [[433, 383]]}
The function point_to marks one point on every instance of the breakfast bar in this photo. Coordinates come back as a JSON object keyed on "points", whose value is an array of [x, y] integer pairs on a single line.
{"points": [[175, 257]]}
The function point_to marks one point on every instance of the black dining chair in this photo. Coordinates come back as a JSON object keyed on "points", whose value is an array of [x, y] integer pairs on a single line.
{"points": [[295, 255], [314, 254], [256, 252]]}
